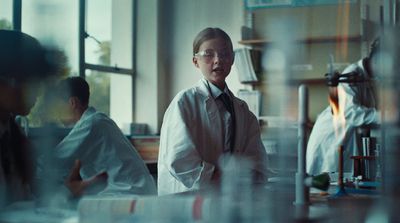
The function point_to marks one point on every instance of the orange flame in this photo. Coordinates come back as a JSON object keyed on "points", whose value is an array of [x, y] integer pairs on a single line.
{"points": [[337, 100]]}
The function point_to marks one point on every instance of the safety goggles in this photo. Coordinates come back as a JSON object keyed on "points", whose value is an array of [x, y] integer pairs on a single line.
{"points": [[208, 55]]}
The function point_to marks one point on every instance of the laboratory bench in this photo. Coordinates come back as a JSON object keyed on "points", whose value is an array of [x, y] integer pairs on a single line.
{"points": [[260, 203], [272, 202]]}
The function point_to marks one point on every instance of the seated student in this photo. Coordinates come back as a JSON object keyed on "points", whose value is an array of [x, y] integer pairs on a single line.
{"points": [[206, 122], [98, 143]]}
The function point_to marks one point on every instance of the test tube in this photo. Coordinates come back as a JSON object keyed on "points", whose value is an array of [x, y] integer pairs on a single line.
{"points": [[366, 153]]}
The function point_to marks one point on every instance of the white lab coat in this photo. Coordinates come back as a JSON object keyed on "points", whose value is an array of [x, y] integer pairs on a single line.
{"points": [[323, 144], [192, 142], [101, 146]]}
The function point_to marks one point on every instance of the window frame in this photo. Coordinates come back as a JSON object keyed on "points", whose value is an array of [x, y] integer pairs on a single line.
{"points": [[83, 65], [17, 15]]}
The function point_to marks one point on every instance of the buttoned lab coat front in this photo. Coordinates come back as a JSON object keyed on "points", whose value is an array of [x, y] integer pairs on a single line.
{"points": [[101, 146], [323, 144], [192, 142]]}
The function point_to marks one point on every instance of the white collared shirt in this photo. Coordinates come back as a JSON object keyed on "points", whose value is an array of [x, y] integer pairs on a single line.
{"points": [[227, 118]]}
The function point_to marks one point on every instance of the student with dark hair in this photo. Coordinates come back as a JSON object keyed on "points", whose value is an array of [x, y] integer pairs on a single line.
{"points": [[98, 144], [24, 65], [206, 122]]}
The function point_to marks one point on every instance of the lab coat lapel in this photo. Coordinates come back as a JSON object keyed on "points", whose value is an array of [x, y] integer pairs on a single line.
{"points": [[239, 123], [214, 119]]}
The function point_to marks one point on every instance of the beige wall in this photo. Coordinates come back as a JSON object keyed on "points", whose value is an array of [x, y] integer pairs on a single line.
{"points": [[146, 85]]}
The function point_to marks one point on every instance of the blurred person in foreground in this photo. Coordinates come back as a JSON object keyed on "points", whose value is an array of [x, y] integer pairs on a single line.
{"points": [[24, 66]]}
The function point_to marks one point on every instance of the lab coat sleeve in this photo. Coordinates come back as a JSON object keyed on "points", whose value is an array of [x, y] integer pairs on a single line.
{"points": [[101, 147], [178, 147], [78, 144], [126, 170], [355, 113]]}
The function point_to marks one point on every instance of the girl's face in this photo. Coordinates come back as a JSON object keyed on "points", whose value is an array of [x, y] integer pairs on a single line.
{"points": [[214, 59]]}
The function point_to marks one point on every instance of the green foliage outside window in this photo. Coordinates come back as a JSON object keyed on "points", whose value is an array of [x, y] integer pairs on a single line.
{"points": [[43, 112], [5, 24], [99, 91], [100, 82]]}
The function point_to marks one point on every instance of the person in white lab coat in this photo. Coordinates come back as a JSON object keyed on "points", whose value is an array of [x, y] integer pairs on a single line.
{"points": [[200, 126], [96, 145], [359, 109]]}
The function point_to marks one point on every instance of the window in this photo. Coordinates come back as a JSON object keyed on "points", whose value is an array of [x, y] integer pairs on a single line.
{"points": [[111, 93], [54, 23], [6, 14], [97, 37], [106, 58]]}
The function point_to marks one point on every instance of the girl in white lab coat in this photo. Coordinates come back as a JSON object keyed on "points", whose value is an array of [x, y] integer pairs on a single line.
{"points": [[207, 121]]}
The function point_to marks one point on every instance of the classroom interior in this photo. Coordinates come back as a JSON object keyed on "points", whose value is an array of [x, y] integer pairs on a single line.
{"points": [[137, 55]]}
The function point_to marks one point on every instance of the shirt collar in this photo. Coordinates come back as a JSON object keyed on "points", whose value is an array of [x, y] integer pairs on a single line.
{"points": [[87, 113], [215, 91]]}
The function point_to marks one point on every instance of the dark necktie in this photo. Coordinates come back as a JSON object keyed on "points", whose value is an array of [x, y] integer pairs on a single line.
{"points": [[227, 102], [229, 107]]}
